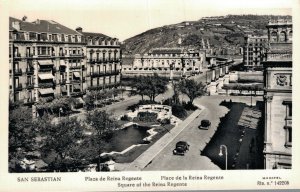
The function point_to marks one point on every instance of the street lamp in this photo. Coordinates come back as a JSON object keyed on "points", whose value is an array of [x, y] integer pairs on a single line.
{"points": [[221, 154], [59, 112]]}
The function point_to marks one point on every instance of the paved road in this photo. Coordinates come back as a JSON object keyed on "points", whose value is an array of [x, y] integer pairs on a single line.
{"points": [[197, 139]]}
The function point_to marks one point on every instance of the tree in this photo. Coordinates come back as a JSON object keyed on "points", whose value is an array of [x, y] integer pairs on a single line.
{"points": [[101, 124], [62, 139], [191, 88], [21, 133], [151, 86]]}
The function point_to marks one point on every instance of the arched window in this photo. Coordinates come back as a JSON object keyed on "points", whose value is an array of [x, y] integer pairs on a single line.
{"points": [[282, 36], [274, 36]]}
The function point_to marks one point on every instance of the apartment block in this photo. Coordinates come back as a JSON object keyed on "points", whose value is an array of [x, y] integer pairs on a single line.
{"points": [[103, 60]]}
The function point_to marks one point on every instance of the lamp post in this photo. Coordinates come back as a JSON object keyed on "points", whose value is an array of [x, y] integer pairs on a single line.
{"points": [[221, 154], [59, 112]]}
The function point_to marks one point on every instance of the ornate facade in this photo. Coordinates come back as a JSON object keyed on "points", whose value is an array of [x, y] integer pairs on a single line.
{"points": [[46, 60], [103, 60], [278, 96], [168, 62]]}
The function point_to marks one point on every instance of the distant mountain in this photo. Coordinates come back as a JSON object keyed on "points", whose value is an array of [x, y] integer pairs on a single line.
{"points": [[221, 31]]}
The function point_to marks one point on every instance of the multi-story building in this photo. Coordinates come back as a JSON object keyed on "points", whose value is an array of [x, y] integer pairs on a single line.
{"points": [[103, 60], [46, 60], [254, 49], [278, 96], [168, 62]]}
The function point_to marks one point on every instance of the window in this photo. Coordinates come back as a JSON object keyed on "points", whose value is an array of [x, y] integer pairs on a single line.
{"points": [[282, 36], [26, 36], [103, 56], [16, 96], [16, 65], [109, 55], [274, 36], [16, 81], [288, 136], [115, 55], [289, 110], [29, 80]]}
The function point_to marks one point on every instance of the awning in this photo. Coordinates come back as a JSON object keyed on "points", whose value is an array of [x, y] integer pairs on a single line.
{"points": [[45, 62], [76, 74], [45, 76], [46, 91], [76, 86]]}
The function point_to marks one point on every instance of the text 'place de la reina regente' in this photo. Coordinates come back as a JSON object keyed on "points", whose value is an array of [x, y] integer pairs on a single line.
{"points": [[225, 83]]}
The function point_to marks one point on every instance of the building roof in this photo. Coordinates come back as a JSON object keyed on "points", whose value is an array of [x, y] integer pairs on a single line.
{"points": [[95, 35], [46, 26], [127, 60], [166, 50]]}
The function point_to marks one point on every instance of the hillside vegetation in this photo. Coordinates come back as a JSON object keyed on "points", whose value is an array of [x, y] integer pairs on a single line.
{"points": [[223, 31]]}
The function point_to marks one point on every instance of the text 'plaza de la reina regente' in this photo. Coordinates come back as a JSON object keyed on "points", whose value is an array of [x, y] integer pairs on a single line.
{"points": [[47, 60]]}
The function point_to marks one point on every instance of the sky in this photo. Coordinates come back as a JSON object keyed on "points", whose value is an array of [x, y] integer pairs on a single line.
{"points": [[125, 18]]}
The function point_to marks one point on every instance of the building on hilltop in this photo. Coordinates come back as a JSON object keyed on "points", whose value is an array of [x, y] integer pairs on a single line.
{"points": [[254, 49], [103, 60], [46, 60], [278, 96], [167, 62]]}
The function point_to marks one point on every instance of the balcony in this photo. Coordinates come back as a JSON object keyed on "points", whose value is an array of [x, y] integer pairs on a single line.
{"points": [[75, 67], [61, 54], [44, 55], [29, 71], [62, 81], [17, 55], [29, 55], [18, 87], [76, 80], [76, 55], [46, 85], [29, 85], [92, 61], [46, 69], [107, 73], [18, 72]]}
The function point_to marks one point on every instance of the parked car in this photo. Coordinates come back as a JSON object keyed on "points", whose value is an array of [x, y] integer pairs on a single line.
{"points": [[181, 148], [205, 124]]}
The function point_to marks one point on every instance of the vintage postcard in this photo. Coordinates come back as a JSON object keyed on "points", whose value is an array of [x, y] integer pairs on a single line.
{"points": [[140, 95]]}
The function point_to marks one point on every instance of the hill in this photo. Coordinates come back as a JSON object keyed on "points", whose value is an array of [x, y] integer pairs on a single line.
{"points": [[221, 31]]}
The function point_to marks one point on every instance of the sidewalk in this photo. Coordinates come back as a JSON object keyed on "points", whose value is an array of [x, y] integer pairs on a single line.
{"points": [[145, 158]]}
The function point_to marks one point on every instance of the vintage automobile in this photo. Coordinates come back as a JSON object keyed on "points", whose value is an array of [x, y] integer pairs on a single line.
{"points": [[205, 124], [181, 148]]}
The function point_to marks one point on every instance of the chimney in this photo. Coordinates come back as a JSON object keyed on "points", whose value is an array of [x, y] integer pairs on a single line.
{"points": [[79, 29], [16, 25], [37, 21]]}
